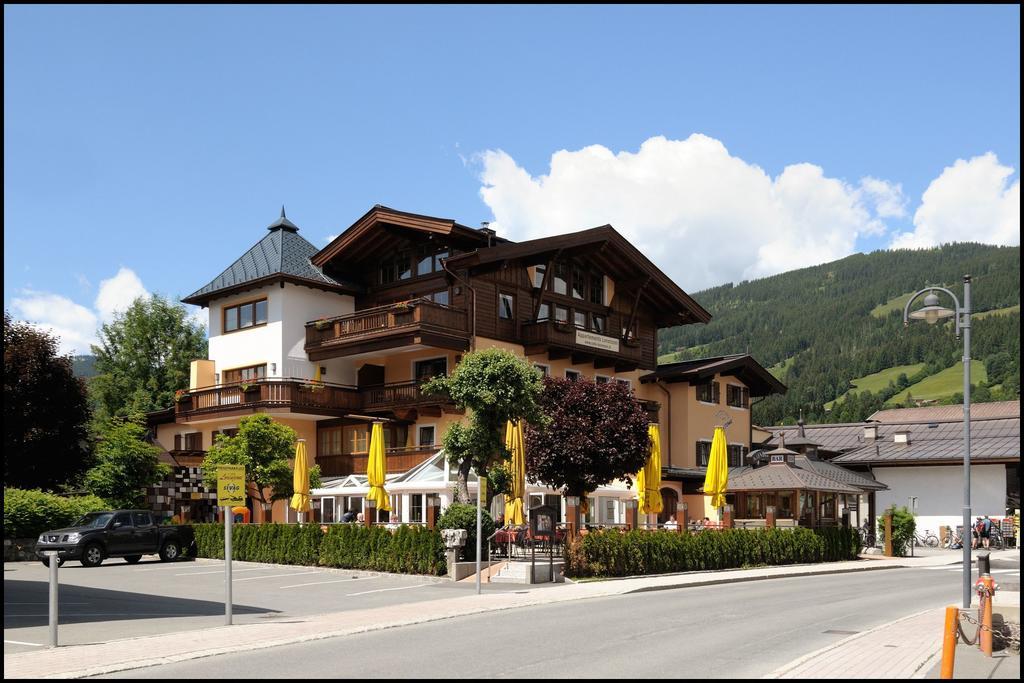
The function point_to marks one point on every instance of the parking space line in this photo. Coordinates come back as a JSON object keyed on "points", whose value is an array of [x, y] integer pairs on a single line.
{"points": [[275, 576], [221, 571], [317, 583], [381, 590], [22, 642]]}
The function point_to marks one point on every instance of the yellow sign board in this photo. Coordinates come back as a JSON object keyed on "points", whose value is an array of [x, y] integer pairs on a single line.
{"points": [[231, 484]]}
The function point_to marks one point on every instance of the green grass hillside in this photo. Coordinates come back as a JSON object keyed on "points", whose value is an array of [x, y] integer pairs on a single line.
{"points": [[897, 303], [944, 384], [877, 381], [999, 311]]}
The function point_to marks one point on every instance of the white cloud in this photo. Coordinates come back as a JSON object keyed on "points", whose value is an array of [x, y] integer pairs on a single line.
{"points": [[198, 315], [704, 216], [116, 294], [329, 239], [971, 201], [75, 324], [887, 197]]}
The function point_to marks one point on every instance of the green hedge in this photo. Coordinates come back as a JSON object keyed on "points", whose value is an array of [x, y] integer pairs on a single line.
{"points": [[636, 553], [407, 550], [28, 513]]}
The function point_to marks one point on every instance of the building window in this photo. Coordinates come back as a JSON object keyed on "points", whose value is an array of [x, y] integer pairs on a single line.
{"points": [[561, 314], [572, 375], [425, 266], [439, 297], [755, 506], [597, 290], [544, 370], [251, 372], [243, 316], [394, 269], [331, 441], [736, 454], [579, 283], [416, 507], [736, 396], [538, 276], [560, 283], [434, 367], [426, 435], [543, 311], [357, 439], [625, 382], [506, 306], [327, 510], [579, 318], [601, 379], [708, 393], [599, 322], [703, 453]]}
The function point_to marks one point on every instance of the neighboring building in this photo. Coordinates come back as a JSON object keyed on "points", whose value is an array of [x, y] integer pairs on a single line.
{"points": [[327, 340], [918, 452]]}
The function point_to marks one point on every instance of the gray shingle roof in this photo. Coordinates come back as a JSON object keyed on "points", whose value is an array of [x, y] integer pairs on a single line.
{"points": [[979, 411], [782, 477], [281, 252], [860, 480], [990, 440]]}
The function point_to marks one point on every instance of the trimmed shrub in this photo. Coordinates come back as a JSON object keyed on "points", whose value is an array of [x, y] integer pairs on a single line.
{"points": [[406, 550], [903, 526], [28, 513], [638, 552], [463, 516]]}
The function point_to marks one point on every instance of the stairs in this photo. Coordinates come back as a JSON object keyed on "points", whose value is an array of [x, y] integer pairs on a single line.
{"points": [[518, 571]]}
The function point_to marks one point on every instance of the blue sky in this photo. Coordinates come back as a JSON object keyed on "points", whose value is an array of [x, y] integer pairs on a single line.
{"points": [[146, 148]]}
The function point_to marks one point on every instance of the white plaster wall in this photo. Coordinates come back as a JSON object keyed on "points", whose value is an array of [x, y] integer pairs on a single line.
{"points": [[301, 305], [251, 346], [940, 490]]}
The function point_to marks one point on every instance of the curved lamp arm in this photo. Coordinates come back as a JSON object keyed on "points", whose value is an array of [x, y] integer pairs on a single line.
{"points": [[956, 304]]}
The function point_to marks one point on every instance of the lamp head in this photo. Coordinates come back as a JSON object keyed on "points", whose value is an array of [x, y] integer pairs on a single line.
{"points": [[932, 313]]}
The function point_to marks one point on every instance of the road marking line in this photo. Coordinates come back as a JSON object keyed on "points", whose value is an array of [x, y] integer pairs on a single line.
{"points": [[276, 576], [44, 603], [381, 590], [221, 571], [317, 583], [22, 642]]}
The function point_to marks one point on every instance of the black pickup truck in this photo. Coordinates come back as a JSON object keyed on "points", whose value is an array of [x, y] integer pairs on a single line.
{"points": [[116, 533]]}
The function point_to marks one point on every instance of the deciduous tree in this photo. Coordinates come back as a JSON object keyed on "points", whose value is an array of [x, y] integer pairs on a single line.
{"points": [[126, 464]]}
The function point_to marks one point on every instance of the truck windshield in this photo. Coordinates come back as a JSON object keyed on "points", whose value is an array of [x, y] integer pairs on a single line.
{"points": [[94, 520]]}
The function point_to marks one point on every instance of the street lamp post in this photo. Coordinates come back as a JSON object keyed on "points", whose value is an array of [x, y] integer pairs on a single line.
{"points": [[933, 313]]}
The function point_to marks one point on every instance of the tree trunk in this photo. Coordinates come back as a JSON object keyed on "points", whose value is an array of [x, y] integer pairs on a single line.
{"points": [[463, 484]]}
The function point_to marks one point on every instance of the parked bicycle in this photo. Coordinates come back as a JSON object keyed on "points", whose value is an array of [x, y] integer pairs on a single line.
{"points": [[927, 538], [953, 540], [867, 536]]}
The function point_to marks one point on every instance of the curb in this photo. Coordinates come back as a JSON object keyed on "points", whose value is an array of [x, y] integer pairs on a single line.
{"points": [[786, 668], [747, 579]]}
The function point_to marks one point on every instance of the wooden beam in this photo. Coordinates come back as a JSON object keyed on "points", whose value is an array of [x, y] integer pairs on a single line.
{"points": [[544, 285], [579, 357], [632, 313], [604, 362], [558, 354]]}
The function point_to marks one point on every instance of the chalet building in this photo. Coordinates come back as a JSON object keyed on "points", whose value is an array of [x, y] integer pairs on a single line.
{"points": [[326, 340]]}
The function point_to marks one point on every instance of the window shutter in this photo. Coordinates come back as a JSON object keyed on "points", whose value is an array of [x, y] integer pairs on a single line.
{"points": [[177, 442], [716, 392], [746, 397]]}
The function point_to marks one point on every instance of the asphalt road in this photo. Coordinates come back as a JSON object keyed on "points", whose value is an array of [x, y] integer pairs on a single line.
{"points": [[117, 600], [724, 631]]}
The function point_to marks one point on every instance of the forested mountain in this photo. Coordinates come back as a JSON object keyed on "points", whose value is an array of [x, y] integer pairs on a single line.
{"points": [[84, 366], [816, 326]]}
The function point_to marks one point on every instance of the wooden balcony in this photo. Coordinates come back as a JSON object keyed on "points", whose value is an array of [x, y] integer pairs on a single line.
{"points": [[399, 459], [416, 322], [295, 395], [302, 396], [562, 340]]}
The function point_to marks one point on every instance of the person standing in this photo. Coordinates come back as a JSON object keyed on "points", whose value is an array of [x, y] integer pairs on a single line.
{"points": [[986, 531]]}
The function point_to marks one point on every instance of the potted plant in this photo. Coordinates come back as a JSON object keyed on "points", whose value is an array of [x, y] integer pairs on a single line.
{"points": [[322, 323], [251, 391], [183, 398]]}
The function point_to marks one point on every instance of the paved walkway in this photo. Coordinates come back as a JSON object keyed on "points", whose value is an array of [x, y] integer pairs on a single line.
{"points": [[120, 655]]}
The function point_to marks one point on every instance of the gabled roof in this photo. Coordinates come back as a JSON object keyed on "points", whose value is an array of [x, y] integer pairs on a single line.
{"points": [[282, 255], [674, 306], [781, 477], [979, 411], [742, 366], [371, 231], [992, 440]]}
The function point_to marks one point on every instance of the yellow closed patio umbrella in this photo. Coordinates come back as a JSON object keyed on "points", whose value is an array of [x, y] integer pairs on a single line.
{"points": [[301, 501], [648, 479], [377, 467], [717, 478], [516, 444]]}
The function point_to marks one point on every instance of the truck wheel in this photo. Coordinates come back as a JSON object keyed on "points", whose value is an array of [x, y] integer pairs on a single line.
{"points": [[132, 559], [92, 556], [46, 561], [170, 552]]}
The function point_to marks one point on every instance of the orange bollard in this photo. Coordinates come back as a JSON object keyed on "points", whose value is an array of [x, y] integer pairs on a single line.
{"points": [[985, 637], [949, 638]]}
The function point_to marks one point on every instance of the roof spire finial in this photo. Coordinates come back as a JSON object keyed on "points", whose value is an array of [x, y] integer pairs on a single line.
{"points": [[282, 212]]}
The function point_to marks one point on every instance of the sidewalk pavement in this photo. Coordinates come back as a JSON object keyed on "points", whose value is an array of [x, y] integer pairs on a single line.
{"points": [[134, 653]]}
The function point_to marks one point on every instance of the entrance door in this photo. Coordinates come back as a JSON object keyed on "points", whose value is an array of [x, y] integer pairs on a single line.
{"points": [[669, 499]]}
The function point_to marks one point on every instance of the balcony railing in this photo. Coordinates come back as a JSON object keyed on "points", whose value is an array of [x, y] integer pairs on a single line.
{"points": [[298, 394], [418, 314], [270, 393], [399, 459]]}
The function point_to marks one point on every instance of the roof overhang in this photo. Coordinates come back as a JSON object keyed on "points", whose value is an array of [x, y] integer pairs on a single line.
{"points": [[614, 252], [275, 278], [744, 367]]}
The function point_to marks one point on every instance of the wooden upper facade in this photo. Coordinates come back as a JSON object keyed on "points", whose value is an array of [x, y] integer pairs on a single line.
{"points": [[589, 296]]}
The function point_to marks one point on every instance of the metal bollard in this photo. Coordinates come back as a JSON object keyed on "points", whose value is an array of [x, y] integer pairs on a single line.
{"points": [[53, 555], [949, 638]]}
